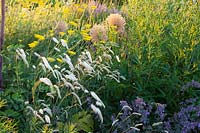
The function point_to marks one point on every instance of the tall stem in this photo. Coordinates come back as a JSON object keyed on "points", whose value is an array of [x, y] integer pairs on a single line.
{"points": [[2, 40]]}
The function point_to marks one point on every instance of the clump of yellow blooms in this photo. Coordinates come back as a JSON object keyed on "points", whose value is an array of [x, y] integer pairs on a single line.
{"points": [[62, 33], [73, 23], [87, 26], [85, 35], [39, 37], [59, 60], [50, 59], [33, 44], [70, 32], [70, 52]]}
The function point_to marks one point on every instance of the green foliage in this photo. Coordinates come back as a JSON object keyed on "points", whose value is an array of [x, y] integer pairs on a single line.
{"points": [[83, 121], [6, 124], [158, 53], [80, 122]]}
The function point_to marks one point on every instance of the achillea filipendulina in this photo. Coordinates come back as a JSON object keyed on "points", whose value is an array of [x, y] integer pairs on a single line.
{"points": [[118, 21], [98, 33], [61, 27]]}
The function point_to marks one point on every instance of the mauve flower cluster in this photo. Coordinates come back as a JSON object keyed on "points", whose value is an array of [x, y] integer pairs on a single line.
{"points": [[96, 8], [136, 116], [187, 119], [193, 84], [145, 117]]}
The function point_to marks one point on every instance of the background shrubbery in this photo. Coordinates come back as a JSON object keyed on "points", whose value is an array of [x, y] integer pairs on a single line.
{"points": [[155, 57]]}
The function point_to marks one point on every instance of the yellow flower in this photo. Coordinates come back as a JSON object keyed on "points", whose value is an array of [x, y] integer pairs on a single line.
{"points": [[80, 10], [51, 33], [50, 59], [84, 5], [85, 35], [70, 32], [73, 23], [93, 7], [65, 11], [39, 37], [85, 31], [87, 38], [33, 44], [62, 33], [87, 26], [59, 60], [71, 52]]}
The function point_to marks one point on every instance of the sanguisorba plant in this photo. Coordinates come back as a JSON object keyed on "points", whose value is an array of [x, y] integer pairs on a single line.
{"points": [[57, 94]]}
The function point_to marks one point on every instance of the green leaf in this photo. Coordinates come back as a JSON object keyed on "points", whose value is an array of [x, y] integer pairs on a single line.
{"points": [[83, 121]]}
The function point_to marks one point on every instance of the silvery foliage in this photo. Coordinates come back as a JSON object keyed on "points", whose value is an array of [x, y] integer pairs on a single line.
{"points": [[67, 79]]}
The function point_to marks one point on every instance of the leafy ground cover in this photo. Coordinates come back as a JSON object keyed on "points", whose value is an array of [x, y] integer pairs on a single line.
{"points": [[101, 66]]}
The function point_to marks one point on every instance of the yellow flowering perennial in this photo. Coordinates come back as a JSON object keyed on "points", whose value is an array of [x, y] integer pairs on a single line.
{"points": [[33, 44], [70, 32], [50, 59], [39, 37], [87, 38], [62, 33], [71, 52], [93, 7], [73, 23], [59, 60], [85, 35], [87, 26]]}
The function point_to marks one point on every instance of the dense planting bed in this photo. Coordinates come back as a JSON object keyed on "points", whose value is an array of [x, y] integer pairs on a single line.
{"points": [[101, 66]]}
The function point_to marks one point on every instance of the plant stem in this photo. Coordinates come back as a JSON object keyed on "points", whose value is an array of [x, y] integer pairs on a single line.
{"points": [[2, 40]]}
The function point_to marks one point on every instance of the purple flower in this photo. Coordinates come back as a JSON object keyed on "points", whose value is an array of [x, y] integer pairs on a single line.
{"points": [[193, 84], [160, 111], [139, 112]]}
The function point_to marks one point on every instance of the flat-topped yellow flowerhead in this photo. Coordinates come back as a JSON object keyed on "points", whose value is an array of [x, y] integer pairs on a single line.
{"points": [[33, 44], [70, 52], [39, 37]]}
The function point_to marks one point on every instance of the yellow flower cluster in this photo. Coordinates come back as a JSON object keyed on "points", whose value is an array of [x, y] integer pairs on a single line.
{"points": [[33, 44], [85, 35], [73, 23], [39, 37], [70, 32], [50, 59], [59, 60], [71, 52]]}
